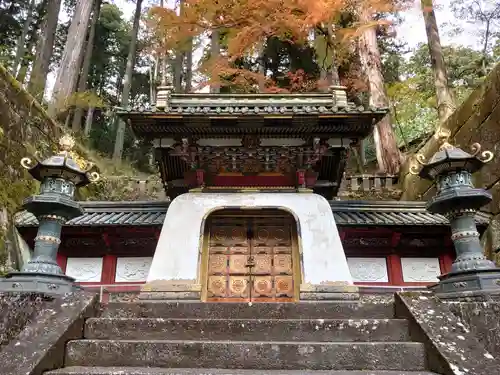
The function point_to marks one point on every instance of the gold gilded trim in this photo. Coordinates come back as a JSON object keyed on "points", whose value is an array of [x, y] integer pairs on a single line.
{"points": [[305, 190], [51, 239], [333, 116], [251, 189], [204, 262], [159, 115]]}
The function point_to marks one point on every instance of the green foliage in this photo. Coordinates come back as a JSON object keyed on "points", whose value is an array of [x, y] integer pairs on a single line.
{"points": [[107, 68], [463, 67], [412, 110], [412, 96], [12, 16]]}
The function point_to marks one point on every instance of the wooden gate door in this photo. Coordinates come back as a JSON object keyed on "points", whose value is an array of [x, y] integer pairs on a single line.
{"points": [[250, 259]]}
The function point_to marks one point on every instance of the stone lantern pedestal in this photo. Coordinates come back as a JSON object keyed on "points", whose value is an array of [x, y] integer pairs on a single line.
{"points": [[472, 274], [59, 175]]}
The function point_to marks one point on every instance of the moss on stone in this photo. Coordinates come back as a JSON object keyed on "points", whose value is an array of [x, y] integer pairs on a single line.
{"points": [[25, 128]]}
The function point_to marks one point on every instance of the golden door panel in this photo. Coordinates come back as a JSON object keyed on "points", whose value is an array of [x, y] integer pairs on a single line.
{"points": [[262, 287], [238, 264], [250, 260], [262, 264], [284, 286], [217, 286], [272, 235], [228, 250], [238, 287], [229, 235], [282, 264], [217, 264], [228, 288]]}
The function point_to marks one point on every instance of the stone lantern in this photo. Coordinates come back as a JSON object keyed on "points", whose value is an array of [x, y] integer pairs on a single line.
{"points": [[59, 175], [472, 274]]}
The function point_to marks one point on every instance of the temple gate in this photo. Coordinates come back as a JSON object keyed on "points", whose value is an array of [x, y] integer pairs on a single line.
{"points": [[249, 153]]}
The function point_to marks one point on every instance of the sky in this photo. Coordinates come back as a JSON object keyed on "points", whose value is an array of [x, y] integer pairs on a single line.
{"points": [[411, 31]]}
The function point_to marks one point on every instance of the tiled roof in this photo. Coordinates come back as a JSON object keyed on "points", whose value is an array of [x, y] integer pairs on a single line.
{"points": [[346, 213], [196, 104], [398, 213]]}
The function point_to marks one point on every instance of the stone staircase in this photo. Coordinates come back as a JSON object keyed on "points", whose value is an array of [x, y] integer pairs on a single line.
{"points": [[347, 338]]}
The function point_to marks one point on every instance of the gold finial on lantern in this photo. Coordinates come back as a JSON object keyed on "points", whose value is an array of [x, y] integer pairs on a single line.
{"points": [[442, 137], [67, 142]]}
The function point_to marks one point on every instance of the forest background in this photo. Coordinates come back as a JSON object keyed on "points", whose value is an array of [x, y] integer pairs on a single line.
{"points": [[83, 59]]}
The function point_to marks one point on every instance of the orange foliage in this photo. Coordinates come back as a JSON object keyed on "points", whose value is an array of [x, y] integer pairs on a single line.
{"points": [[247, 23]]}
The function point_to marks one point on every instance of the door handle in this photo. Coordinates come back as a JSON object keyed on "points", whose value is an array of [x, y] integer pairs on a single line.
{"points": [[250, 261]]}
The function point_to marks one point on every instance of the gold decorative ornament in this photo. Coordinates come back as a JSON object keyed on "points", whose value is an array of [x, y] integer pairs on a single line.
{"points": [[66, 145], [26, 163], [485, 156], [93, 176], [67, 142], [446, 146], [415, 168], [442, 137]]}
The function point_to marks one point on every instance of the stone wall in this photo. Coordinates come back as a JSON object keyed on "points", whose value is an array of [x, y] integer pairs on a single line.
{"points": [[476, 120], [25, 127], [15, 313], [34, 330], [453, 347], [482, 319]]}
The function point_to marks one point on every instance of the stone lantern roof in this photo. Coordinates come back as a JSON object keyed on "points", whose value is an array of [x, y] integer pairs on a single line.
{"points": [[65, 164]]}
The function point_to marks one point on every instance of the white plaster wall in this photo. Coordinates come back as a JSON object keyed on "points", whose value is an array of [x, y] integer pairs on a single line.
{"points": [[177, 252]]}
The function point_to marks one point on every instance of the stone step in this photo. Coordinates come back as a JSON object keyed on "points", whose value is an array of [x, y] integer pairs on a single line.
{"points": [[333, 330], [409, 356], [303, 310], [77, 370]]}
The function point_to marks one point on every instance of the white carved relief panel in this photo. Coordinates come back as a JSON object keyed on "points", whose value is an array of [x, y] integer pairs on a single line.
{"points": [[132, 269], [420, 270], [372, 270], [86, 270]]}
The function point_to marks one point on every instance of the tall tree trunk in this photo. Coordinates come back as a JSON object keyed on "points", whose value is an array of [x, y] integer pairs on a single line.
{"points": [[127, 82], [44, 49], [334, 68], [325, 52], [321, 54], [152, 81], [82, 82], [388, 154], [189, 66], [179, 59], [445, 101], [163, 61], [484, 52], [262, 67], [21, 43], [69, 70], [214, 54], [88, 121], [164, 69], [30, 44]]}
